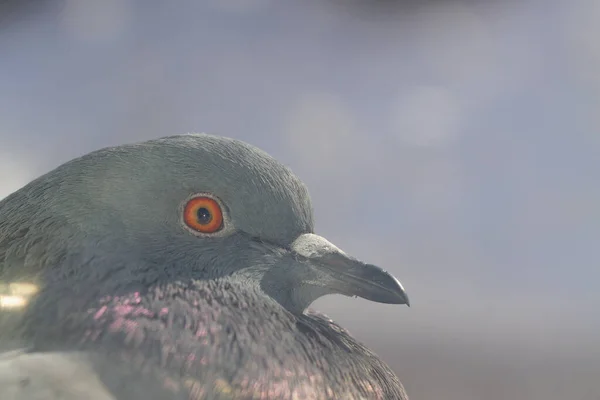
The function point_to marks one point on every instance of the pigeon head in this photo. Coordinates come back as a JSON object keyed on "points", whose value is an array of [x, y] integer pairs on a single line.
{"points": [[179, 208]]}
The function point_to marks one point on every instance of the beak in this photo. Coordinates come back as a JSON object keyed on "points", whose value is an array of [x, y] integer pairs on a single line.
{"points": [[347, 275]]}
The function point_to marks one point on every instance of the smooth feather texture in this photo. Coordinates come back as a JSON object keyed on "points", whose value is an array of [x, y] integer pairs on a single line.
{"points": [[160, 313], [218, 338]]}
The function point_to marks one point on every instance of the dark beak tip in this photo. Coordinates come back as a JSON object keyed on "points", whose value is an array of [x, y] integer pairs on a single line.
{"points": [[402, 299], [399, 291], [354, 278]]}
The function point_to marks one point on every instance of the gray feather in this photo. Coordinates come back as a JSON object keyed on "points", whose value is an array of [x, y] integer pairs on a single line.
{"points": [[160, 312]]}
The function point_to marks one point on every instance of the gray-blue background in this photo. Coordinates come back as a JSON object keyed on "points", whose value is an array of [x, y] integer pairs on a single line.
{"points": [[455, 144]]}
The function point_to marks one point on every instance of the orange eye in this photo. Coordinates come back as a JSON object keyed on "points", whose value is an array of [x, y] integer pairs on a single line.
{"points": [[203, 214]]}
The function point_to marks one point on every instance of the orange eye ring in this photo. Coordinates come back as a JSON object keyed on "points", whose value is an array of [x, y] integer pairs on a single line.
{"points": [[203, 214]]}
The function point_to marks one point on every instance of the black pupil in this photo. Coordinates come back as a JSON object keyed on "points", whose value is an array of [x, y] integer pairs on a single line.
{"points": [[204, 216]]}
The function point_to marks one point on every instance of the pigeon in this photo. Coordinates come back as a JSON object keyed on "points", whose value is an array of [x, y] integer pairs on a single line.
{"points": [[179, 268]]}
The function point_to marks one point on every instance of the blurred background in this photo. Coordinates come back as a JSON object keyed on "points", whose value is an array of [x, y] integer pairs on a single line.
{"points": [[456, 144]]}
